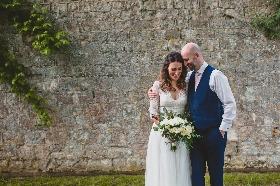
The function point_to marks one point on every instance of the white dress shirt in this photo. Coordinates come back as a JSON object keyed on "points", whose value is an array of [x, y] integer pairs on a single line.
{"points": [[219, 84]]}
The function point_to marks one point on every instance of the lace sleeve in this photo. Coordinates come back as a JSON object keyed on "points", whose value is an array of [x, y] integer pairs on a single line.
{"points": [[154, 103]]}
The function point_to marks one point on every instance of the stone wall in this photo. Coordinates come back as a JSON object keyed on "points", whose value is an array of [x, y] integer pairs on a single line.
{"points": [[97, 90]]}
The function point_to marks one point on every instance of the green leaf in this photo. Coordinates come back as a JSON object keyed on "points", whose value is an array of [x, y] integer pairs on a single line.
{"points": [[21, 74], [16, 24], [14, 81], [45, 25], [45, 51], [44, 11], [35, 5], [25, 28], [26, 22], [58, 45], [36, 28], [40, 19], [49, 122], [155, 128], [33, 14], [65, 42], [7, 63]]}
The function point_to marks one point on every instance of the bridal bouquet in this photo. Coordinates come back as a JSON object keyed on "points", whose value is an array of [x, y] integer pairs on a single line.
{"points": [[176, 128]]}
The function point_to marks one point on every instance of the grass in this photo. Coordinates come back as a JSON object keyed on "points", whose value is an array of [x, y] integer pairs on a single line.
{"points": [[231, 179]]}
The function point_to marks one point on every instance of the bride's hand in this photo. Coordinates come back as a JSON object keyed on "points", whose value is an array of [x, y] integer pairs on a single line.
{"points": [[152, 94], [155, 119]]}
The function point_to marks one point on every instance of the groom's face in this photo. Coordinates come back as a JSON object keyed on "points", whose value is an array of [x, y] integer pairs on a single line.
{"points": [[190, 60]]}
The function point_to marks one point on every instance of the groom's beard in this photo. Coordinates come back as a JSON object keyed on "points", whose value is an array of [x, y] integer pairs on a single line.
{"points": [[191, 66]]}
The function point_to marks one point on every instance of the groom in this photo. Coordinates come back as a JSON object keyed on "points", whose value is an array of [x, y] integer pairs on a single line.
{"points": [[212, 108]]}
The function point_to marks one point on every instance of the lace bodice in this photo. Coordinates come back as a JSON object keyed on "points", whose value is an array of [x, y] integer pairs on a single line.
{"points": [[164, 99]]}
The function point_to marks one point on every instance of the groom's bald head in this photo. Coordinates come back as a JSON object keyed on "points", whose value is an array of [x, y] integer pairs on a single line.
{"points": [[191, 48], [192, 56]]}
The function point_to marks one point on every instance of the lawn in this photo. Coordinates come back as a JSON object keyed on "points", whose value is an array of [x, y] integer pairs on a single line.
{"points": [[231, 179]]}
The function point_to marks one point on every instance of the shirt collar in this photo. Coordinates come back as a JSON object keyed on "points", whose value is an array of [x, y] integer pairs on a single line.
{"points": [[202, 68]]}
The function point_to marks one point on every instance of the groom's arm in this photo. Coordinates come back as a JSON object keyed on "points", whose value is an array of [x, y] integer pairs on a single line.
{"points": [[221, 86]]}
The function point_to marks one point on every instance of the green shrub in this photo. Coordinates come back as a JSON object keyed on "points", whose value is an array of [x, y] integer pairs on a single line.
{"points": [[32, 21], [269, 24]]}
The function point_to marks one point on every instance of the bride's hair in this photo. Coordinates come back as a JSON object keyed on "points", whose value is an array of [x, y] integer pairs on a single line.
{"points": [[164, 75]]}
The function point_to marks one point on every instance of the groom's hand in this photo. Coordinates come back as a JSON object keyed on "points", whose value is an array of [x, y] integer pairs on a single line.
{"points": [[223, 133], [152, 94]]}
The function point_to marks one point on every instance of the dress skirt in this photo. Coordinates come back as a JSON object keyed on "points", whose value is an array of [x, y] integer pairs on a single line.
{"points": [[165, 167]]}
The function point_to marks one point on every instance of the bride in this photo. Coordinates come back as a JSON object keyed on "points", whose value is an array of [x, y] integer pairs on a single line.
{"points": [[163, 166]]}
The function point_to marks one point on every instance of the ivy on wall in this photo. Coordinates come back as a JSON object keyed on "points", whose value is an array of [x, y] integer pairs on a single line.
{"points": [[269, 25], [32, 21]]}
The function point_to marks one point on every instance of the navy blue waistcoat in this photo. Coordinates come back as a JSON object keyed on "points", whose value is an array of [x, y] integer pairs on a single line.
{"points": [[206, 109]]}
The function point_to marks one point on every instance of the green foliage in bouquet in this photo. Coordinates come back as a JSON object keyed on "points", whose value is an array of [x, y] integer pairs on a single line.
{"points": [[176, 128]]}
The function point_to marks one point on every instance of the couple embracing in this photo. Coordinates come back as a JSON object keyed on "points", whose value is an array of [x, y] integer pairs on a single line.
{"points": [[206, 94]]}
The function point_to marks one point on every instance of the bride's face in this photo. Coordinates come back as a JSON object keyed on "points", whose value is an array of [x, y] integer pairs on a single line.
{"points": [[175, 70]]}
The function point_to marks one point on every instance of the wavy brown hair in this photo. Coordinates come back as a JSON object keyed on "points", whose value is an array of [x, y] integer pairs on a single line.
{"points": [[164, 75]]}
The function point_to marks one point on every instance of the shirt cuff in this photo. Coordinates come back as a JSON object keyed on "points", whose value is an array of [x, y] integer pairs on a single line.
{"points": [[225, 126]]}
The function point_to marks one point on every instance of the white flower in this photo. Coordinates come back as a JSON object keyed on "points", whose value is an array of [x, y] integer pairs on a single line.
{"points": [[189, 129], [185, 133], [181, 129], [176, 120], [172, 122], [165, 122], [177, 131], [180, 120]]}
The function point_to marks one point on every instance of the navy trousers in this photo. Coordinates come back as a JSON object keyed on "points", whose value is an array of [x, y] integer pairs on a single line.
{"points": [[208, 149]]}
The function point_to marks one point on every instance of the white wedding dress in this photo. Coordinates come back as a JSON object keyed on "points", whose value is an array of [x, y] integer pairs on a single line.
{"points": [[163, 166]]}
